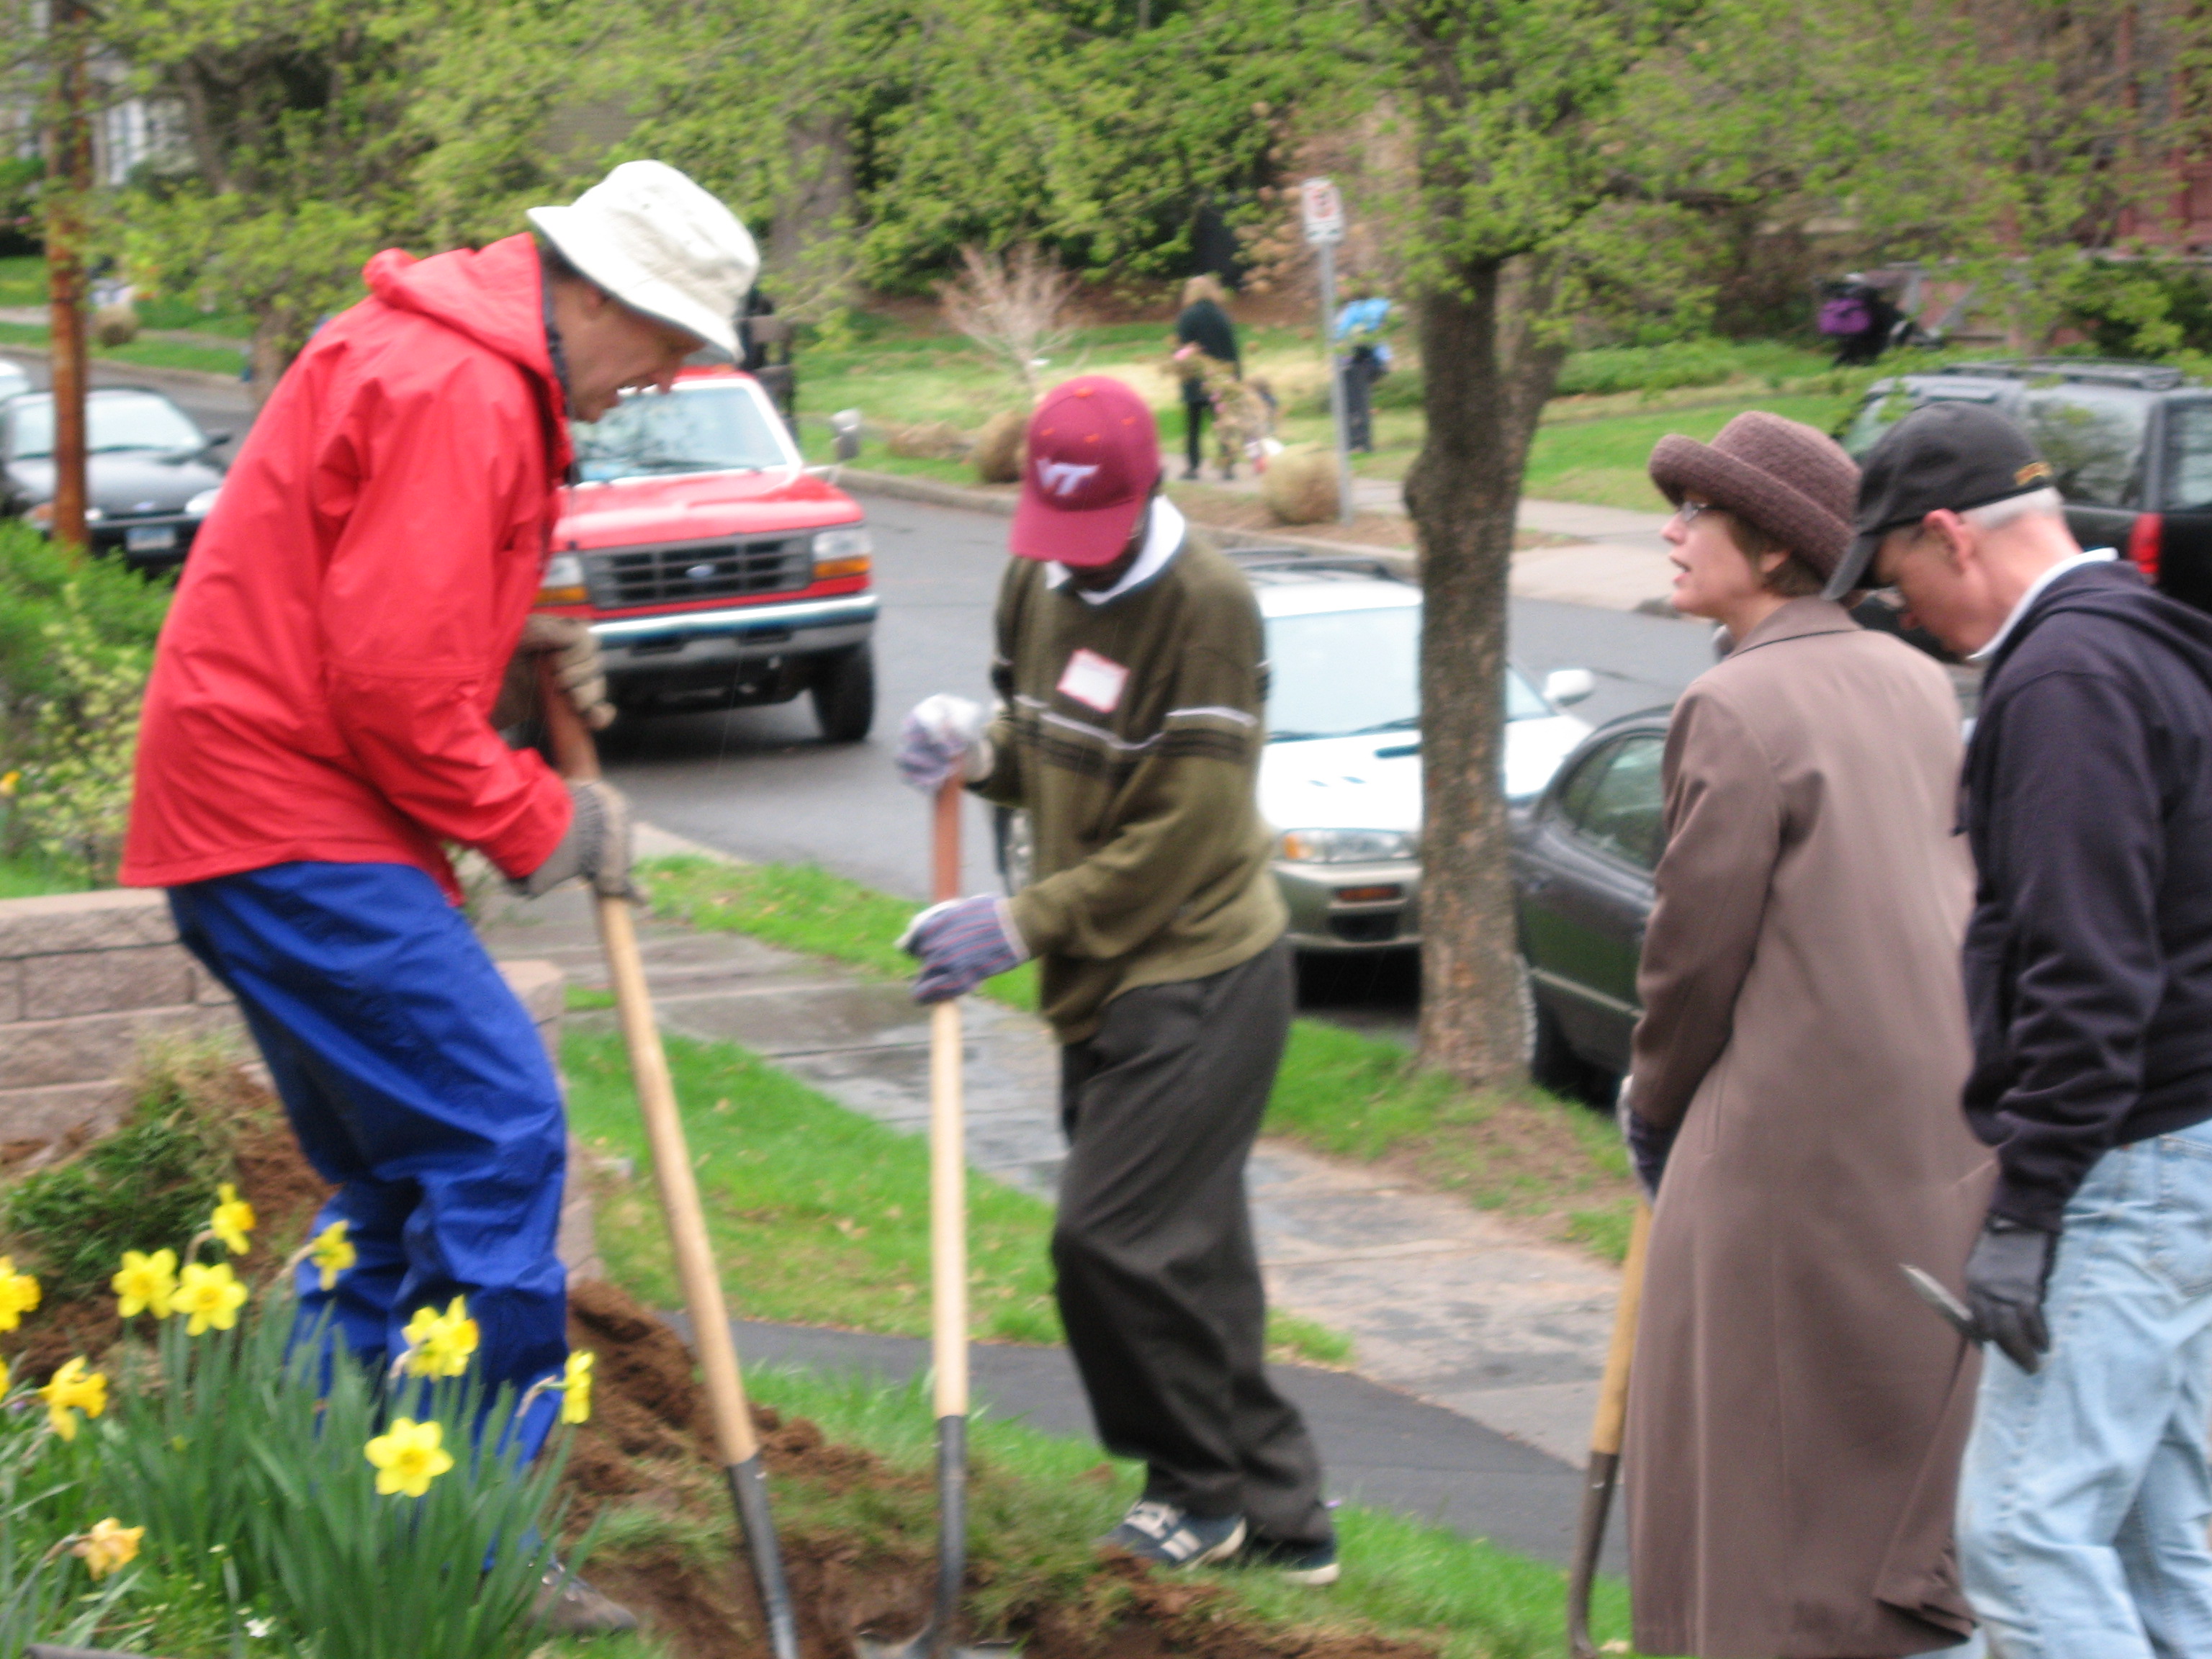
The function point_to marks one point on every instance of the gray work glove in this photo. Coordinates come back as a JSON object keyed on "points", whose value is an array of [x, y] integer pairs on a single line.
{"points": [[2005, 1280], [596, 848], [943, 736], [576, 669], [1648, 1143]]}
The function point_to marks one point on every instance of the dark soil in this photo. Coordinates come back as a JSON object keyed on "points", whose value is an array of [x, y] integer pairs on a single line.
{"points": [[649, 1441]]}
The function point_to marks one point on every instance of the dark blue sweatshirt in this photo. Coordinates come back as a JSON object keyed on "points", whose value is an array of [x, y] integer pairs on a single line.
{"points": [[2088, 961]]}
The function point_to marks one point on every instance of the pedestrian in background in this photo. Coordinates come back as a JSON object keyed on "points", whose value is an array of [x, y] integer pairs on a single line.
{"points": [[1365, 359], [1203, 327], [1794, 1420], [2088, 972], [1133, 686]]}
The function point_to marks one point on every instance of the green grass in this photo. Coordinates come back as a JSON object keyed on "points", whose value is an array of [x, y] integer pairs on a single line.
{"points": [[31, 877], [819, 1214], [1603, 460], [1521, 1152], [147, 354]]}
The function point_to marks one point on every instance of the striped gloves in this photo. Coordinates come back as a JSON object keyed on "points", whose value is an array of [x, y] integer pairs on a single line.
{"points": [[962, 942]]}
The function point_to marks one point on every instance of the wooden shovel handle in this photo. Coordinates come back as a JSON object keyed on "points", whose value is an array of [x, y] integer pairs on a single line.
{"points": [[948, 1145], [1613, 1393], [576, 757]]}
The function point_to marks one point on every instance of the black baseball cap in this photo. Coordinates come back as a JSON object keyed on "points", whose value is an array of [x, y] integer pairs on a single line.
{"points": [[1948, 455]]}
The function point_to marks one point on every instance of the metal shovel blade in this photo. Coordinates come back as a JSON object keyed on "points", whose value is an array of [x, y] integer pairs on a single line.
{"points": [[934, 1639]]}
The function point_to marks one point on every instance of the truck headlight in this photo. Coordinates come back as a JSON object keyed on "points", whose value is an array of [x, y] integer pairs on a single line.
{"points": [[563, 582], [847, 551], [1347, 846]]}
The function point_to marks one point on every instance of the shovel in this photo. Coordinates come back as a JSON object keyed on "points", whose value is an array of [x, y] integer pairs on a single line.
{"points": [[948, 1285], [1604, 1439], [575, 755]]}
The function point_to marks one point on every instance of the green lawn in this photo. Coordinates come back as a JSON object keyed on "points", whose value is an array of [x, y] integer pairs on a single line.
{"points": [[29, 878], [819, 1216], [148, 354], [1521, 1152]]}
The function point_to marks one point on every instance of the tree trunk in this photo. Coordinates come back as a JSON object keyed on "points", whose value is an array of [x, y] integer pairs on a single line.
{"points": [[1486, 375], [813, 220]]}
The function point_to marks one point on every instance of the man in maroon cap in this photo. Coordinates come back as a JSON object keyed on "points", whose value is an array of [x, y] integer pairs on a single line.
{"points": [[1132, 676]]}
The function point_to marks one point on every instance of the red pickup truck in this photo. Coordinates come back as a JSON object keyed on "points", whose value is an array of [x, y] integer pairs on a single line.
{"points": [[716, 571]]}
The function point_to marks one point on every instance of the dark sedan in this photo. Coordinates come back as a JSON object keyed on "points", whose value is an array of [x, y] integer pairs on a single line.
{"points": [[151, 473], [1582, 860]]}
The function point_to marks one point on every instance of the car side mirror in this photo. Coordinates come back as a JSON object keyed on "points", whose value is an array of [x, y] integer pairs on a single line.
{"points": [[1565, 685], [217, 440]]}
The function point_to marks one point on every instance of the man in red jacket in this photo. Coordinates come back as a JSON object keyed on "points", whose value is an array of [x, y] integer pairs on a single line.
{"points": [[320, 727]]}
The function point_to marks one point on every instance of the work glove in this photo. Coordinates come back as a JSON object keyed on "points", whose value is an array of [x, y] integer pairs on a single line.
{"points": [[596, 848], [1648, 1145], [576, 669], [943, 736], [2005, 1280], [962, 942]]}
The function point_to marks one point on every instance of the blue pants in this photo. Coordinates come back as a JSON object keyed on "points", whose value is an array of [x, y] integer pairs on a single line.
{"points": [[2086, 1494], [418, 1086]]}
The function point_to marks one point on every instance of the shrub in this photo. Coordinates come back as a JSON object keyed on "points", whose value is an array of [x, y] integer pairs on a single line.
{"points": [[148, 1186], [2151, 306], [76, 642]]}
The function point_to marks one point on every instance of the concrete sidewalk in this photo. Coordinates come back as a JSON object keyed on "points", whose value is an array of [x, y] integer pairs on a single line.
{"points": [[1606, 556], [1446, 1303]]}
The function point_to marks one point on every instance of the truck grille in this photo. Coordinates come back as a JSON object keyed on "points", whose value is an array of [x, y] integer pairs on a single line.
{"points": [[712, 570]]}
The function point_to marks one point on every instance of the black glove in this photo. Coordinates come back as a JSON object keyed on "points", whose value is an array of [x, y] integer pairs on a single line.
{"points": [[2005, 1280], [1648, 1143]]}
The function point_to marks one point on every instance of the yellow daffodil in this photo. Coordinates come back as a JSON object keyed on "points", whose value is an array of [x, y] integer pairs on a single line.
{"points": [[108, 1545], [146, 1282], [331, 1251], [440, 1344], [409, 1458], [212, 1296], [576, 1388], [232, 1220], [19, 1294], [9, 782], [72, 1389]]}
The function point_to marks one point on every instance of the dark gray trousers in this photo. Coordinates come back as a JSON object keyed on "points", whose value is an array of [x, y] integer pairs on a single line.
{"points": [[1159, 1282]]}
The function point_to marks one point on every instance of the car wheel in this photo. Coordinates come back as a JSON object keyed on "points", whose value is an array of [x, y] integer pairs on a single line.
{"points": [[1016, 838], [844, 694], [1551, 1062]]}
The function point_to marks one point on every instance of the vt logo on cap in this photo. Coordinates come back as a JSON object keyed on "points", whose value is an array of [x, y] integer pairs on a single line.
{"points": [[1061, 478], [1094, 456]]}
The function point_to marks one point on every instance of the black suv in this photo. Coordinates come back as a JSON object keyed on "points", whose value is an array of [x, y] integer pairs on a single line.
{"points": [[2131, 444]]}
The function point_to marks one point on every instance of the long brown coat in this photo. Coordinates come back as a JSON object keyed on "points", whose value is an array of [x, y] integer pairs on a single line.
{"points": [[1795, 1417]]}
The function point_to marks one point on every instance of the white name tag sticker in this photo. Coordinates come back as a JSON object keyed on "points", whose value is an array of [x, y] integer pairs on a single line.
{"points": [[1094, 681]]}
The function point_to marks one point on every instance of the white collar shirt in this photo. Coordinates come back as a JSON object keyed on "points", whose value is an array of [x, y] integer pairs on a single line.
{"points": [[2071, 561], [1163, 541]]}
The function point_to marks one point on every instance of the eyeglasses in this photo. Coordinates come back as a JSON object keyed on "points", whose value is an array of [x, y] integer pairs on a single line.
{"points": [[1685, 515]]}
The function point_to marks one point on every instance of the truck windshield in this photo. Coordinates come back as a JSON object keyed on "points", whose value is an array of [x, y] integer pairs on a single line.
{"points": [[694, 429], [1335, 673], [114, 420]]}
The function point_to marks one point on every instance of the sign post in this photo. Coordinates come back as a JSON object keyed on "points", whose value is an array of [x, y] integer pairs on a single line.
{"points": [[1323, 211]]}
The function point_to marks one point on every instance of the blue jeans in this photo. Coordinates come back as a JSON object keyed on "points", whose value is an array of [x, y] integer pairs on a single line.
{"points": [[418, 1087], [2086, 1495]]}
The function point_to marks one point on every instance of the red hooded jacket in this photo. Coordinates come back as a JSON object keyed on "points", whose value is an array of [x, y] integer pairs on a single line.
{"points": [[324, 686]]}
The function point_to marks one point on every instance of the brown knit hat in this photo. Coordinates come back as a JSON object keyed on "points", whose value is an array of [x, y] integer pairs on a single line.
{"points": [[1787, 478]]}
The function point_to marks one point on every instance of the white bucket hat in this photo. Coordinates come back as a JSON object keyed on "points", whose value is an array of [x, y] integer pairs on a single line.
{"points": [[660, 245]]}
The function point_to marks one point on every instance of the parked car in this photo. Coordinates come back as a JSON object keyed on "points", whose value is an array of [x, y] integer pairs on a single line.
{"points": [[716, 570], [14, 380], [151, 474], [2131, 443], [1583, 863], [1340, 777]]}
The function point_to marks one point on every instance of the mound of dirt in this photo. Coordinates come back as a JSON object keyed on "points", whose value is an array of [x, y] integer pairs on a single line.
{"points": [[649, 1439]]}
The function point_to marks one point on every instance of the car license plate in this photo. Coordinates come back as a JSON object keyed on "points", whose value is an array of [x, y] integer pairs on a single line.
{"points": [[155, 539]]}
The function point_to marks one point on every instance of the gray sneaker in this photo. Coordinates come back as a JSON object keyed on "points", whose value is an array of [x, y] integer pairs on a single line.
{"points": [[567, 1606], [1173, 1537]]}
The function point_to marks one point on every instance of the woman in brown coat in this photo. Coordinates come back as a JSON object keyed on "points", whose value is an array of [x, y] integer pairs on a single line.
{"points": [[1796, 1417]]}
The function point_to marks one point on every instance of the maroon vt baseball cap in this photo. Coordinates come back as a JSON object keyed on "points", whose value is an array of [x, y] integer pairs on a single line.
{"points": [[1094, 455]]}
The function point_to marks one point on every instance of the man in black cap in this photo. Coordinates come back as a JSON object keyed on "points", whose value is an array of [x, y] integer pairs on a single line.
{"points": [[2088, 970]]}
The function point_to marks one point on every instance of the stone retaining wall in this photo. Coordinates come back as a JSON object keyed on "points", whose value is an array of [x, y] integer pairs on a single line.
{"points": [[85, 977]]}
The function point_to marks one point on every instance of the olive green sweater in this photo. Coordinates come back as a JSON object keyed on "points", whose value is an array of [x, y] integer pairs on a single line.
{"points": [[1132, 732]]}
